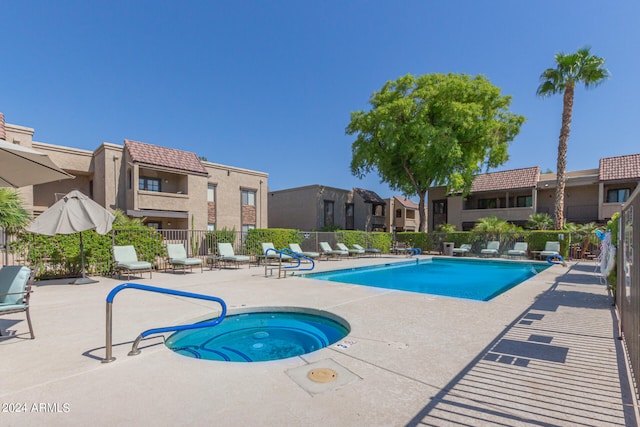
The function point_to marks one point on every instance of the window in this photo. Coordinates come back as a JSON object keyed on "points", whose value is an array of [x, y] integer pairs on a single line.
{"points": [[486, 203], [617, 195], [328, 213], [211, 227], [245, 230], [524, 201], [211, 193], [440, 207], [248, 197], [398, 213], [149, 184], [411, 214]]}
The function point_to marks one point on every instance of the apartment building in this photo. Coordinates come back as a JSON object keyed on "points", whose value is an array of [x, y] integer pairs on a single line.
{"points": [[315, 207], [402, 214], [591, 195], [170, 188]]}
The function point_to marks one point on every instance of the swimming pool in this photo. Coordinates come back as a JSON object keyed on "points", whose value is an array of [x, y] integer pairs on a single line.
{"points": [[471, 279], [258, 336]]}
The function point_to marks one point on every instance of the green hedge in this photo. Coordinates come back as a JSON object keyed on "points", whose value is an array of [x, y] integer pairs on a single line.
{"points": [[280, 237]]}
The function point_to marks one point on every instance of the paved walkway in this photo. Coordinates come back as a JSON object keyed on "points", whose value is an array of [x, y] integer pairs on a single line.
{"points": [[544, 353]]}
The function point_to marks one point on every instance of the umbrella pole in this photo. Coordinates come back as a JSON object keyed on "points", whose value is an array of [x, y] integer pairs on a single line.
{"points": [[83, 280]]}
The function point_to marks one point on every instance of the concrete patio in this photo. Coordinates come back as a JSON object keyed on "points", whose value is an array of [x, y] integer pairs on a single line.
{"points": [[544, 353]]}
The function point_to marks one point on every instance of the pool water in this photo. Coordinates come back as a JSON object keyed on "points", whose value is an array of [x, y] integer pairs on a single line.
{"points": [[259, 336], [471, 279]]}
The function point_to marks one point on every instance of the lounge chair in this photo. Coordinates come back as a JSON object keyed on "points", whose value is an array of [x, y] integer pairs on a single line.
{"points": [[328, 251], [126, 259], [399, 248], [491, 249], [351, 252], [226, 254], [519, 249], [15, 289], [372, 251], [295, 247], [177, 255], [271, 253], [463, 250], [550, 248]]}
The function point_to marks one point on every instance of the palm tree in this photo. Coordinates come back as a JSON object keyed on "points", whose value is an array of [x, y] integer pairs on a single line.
{"points": [[13, 216], [579, 67], [540, 221]]}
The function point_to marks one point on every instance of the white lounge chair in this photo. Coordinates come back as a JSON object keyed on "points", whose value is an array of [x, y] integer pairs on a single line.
{"points": [[491, 249], [463, 250], [354, 252], [269, 251], [328, 251], [519, 249], [226, 255], [295, 247], [177, 255], [372, 251], [126, 259], [550, 248]]}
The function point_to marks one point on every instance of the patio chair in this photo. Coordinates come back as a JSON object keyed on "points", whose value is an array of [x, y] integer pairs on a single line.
{"points": [[372, 251], [126, 260], [226, 255], [550, 248], [463, 250], [295, 247], [15, 289], [328, 251], [519, 250], [351, 252], [177, 255], [491, 249], [270, 252]]}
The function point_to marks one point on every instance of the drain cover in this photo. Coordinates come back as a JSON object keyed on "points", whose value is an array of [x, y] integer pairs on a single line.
{"points": [[322, 375]]}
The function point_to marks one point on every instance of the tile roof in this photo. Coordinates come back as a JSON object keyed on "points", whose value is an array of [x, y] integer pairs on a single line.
{"points": [[369, 196], [161, 156], [507, 180], [620, 167], [409, 204]]}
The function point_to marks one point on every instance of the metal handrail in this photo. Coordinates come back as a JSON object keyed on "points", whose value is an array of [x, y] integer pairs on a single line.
{"points": [[298, 255], [134, 350]]}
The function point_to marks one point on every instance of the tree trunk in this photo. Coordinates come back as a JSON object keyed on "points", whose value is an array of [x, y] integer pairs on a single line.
{"points": [[567, 110], [421, 211]]}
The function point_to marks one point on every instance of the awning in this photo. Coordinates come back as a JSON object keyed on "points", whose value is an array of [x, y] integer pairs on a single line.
{"points": [[157, 214]]}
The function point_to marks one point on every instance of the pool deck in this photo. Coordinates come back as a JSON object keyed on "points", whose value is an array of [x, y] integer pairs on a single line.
{"points": [[544, 353]]}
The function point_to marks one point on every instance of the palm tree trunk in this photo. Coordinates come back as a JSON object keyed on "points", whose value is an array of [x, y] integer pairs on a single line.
{"points": [[567, 110]]}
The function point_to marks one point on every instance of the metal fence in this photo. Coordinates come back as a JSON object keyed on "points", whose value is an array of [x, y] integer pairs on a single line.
{"points": [[150, 246], [628, 281]]}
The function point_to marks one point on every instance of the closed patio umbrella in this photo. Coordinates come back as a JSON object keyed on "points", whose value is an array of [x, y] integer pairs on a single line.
{"points": [[22, 166], [74, 213]]}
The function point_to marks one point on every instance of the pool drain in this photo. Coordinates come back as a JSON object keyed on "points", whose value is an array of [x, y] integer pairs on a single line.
{"points": [[322, 375]]}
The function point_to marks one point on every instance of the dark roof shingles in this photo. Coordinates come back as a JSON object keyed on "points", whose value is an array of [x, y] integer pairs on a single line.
{"points": [[507, 180], [369, 196], [161, 156], [620, 167]]}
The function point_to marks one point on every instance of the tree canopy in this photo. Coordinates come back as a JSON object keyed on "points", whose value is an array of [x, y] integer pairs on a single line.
{"points": [[432, 130]]}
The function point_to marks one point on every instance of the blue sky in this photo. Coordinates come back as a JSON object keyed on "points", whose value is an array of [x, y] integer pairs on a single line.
{"points": [[270, 85]]}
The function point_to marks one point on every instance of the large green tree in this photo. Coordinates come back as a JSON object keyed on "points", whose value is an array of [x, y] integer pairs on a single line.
{"points": [[571, 69], [431, 130]]}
